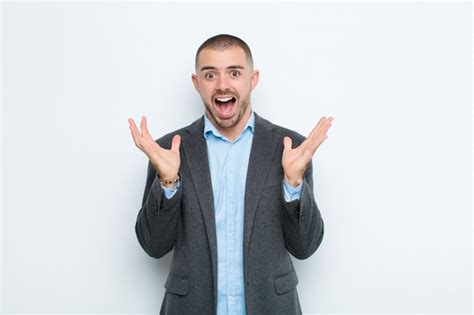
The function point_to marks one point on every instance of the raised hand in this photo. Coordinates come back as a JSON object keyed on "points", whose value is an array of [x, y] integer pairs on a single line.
{"points": [[295, 161], [166, 162]]}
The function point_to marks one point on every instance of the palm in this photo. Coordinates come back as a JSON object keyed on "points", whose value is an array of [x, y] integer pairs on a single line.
{"points": [[169, 160], [165, 161], [295, 161]]}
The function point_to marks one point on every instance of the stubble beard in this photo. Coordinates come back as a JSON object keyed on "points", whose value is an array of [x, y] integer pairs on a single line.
{"points": [[229, 123]]}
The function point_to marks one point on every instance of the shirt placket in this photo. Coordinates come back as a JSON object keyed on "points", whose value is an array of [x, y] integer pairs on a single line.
{"points": [[231, 213]]}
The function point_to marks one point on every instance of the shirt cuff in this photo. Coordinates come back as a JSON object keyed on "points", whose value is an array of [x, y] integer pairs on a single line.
{"points": [[169, 192], [291, 193]]}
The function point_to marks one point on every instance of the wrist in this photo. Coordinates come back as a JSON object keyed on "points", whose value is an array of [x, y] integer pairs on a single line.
{"points": [[169, 182], [171, 186], [293, 181]]}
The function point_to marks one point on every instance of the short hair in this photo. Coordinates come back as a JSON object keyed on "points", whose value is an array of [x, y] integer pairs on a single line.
{"points": [[222, 42]]}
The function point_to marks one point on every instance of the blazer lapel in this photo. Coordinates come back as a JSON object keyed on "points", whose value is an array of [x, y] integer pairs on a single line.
{"points": [[261, 156], [195, 149]]}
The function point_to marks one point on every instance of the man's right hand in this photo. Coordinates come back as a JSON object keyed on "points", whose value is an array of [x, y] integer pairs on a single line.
{"points": [[166, 162]]}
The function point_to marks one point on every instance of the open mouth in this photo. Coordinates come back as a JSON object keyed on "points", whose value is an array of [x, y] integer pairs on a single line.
{"points": [[225, 104]]}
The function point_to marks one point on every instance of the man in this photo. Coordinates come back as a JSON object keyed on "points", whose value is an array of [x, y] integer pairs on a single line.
{"points": [[233, 199]]}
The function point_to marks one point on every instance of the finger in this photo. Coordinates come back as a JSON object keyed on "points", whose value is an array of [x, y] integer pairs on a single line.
{"points": [[323, 128], [145, 131], [315, 129], [143, 126], [134, 129], [315, 138], [175, 143], [131, 122], [287, 142], [318, 140]]}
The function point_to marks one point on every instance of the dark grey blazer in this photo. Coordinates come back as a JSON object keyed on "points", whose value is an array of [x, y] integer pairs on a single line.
{"points": [[273, 227]]}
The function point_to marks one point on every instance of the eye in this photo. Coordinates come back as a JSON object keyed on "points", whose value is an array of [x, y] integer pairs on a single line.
{"points": [[210, 75], [235, 73]]}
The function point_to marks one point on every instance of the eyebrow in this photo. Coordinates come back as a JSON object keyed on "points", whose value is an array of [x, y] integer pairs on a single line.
{"points": [[214, 68]]}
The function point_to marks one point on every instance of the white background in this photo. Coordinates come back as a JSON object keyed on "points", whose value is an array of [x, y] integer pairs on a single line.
{"points": [[393, 180]]}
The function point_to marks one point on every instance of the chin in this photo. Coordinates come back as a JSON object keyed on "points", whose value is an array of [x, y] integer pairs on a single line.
{"points": [[227, 123]]}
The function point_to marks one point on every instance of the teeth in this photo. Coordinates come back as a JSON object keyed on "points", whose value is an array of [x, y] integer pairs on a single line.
{"points": [[224, 99]]}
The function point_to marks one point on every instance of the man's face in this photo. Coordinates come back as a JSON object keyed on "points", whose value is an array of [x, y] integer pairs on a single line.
{"points": [[224, 79]]}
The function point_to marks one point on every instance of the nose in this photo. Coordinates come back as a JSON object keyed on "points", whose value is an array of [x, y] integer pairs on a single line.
{"points": [[222, 83]]}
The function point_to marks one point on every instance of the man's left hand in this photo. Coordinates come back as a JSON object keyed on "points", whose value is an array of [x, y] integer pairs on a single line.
{"points": [[295, 161]]}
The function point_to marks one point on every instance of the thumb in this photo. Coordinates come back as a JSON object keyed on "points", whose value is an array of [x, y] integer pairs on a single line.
{"points": [[287, 143], [175, 143]]}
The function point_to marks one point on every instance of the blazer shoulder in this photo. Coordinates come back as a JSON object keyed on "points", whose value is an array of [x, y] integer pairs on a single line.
{"points": [[282, 132], [165, 141]]}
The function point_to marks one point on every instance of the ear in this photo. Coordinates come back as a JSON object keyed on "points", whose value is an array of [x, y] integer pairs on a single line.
{"points": [[254, 79], [195, 81]]}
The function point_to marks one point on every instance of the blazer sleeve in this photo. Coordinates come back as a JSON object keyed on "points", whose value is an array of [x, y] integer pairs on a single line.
{"points": [[158, 218], [303, 226]]}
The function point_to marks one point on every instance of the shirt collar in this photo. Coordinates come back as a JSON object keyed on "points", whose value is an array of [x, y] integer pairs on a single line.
{"points": [[210, 128]]}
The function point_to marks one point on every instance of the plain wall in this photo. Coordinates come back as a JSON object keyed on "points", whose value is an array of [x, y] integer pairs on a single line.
{"points": [[392, 181]]}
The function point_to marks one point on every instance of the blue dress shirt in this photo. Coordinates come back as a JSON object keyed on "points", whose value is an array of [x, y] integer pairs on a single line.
{"points": [[228, 163]]}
